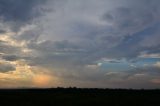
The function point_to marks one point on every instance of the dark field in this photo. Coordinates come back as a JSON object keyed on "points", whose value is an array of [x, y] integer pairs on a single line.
{"points": [[79, 97]]}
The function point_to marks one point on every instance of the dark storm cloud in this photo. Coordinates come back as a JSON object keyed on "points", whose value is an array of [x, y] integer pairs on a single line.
{"points": [[92, 41], [2, 31], [5, 67], [16, 13], [18, 10], [10, 57], [75, 36], [120, 31], [130, 29]]}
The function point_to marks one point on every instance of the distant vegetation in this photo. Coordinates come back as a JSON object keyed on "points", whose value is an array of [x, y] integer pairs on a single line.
{"points": [[79, 97]]}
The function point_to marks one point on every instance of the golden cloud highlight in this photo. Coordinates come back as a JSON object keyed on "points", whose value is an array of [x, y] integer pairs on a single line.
{"points": [[27, 76]]}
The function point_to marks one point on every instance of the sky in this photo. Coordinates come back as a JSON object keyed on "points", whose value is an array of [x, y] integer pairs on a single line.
{"points": [[80, 43]]}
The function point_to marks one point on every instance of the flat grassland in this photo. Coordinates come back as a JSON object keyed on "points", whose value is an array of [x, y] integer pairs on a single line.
{"points": [[79, 97]]}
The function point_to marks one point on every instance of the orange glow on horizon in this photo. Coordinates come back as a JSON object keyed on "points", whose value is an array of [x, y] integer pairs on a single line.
{"points": [[42, 80]]}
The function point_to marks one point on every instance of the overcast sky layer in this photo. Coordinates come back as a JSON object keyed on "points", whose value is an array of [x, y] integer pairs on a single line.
{"points": [[82, 43]]}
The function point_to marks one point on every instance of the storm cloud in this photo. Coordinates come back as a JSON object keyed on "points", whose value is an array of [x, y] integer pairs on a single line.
{"points": [[5, 67], [73, 40], [18, 10]]}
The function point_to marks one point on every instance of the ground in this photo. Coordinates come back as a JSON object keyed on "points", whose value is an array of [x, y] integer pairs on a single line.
{"points": [[78, 97]]}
